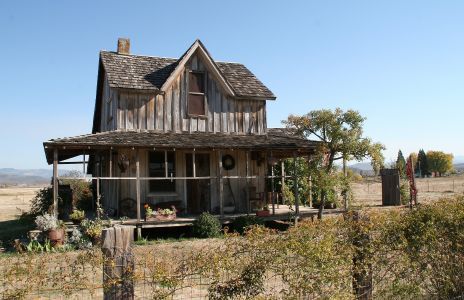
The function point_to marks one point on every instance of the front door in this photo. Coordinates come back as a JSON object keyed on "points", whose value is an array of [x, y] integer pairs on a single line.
{"points": [[198, 190]]}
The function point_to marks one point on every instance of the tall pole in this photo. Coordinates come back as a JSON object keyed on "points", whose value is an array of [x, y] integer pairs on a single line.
{"points": [[55, 182], [137, 189], [345, 192], [295, 188]]}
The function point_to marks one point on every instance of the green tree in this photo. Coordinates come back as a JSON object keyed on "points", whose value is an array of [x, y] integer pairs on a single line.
{"points": [[341, 136], [439, 162], [422, 165], [401, 164]]}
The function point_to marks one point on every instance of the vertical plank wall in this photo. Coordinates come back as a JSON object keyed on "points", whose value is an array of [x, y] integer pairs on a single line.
{"points": [[168, 112]]}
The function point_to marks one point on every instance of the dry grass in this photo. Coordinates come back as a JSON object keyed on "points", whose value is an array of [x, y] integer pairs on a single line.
{"points": [[13, 200], [369, 192]]}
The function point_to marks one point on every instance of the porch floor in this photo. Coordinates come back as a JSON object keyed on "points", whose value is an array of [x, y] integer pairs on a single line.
{"points": [[282, 213]]}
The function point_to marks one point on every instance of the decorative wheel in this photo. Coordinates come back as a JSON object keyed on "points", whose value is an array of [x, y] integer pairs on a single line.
{"points": [[228, 162], [128, 208]]}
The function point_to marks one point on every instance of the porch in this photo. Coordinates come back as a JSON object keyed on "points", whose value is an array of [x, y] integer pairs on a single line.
{"points": [[227, 175]]}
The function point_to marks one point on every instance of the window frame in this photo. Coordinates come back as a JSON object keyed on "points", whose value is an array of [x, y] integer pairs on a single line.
{"points": [[205, 103], [172, 182]]}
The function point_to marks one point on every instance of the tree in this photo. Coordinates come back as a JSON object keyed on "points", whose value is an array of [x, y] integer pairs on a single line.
{"points": [[439, 162], [341, 136], [401, 164], [422, 166]]}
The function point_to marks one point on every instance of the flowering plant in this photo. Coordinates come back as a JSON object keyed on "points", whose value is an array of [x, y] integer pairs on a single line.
{"points": [[166, 211], [47, 222], [148, 210]]}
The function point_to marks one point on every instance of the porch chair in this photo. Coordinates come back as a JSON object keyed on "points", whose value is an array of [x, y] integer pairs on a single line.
{"points": [[255, 200]]}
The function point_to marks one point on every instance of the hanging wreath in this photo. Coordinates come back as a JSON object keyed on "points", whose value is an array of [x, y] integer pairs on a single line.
{"points": [[123, 163], [228, 162]]}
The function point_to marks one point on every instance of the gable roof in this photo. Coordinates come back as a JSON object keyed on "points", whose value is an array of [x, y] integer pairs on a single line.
{"points": [[151, 73], [199, 48]]}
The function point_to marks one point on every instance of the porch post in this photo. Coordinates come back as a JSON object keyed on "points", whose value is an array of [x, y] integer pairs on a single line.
{"points": [[310, 184], [295, 186], [272, 185], [111, 162], [282, 167], [55, 182], [221, 185], [247, 186], [137, 189]]}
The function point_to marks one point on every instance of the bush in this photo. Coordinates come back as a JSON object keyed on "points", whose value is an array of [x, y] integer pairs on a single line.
{"points": [[206, 226], [242, 223], [404, 193]]}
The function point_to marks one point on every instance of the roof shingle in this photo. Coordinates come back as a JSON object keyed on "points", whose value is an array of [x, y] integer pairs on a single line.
{"points": [[149, 73]]}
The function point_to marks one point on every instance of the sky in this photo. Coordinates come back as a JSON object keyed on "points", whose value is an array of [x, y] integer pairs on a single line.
{"points": [[399, 63]]}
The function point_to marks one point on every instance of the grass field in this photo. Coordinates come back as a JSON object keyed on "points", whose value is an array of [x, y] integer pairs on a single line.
{"points": [[13, 200], [369, 192]]}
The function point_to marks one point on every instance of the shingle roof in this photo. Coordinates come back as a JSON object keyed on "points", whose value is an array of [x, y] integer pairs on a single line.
{"points": [[273, 140], [149, 73]]}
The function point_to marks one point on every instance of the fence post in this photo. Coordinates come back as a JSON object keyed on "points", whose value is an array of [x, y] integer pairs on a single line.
{"points": [[362, 266], [118, 263]]}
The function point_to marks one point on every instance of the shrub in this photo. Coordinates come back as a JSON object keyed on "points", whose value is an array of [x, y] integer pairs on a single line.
{"points": [[242, 223], [206, 226], [404, 193]]}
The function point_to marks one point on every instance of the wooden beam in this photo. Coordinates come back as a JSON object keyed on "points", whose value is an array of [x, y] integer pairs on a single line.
{"points": [[295, 187], [221, 185], [111, 162], [272, 185], [137, 184], [55, 182], [282, 168], [247, 187], [98, 198]]}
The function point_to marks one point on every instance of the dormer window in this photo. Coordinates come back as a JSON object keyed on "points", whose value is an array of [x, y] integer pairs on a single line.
{"points": [[196, 96]]}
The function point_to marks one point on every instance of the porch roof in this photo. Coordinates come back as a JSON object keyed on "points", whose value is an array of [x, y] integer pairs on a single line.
{"points": [[276, 139]]}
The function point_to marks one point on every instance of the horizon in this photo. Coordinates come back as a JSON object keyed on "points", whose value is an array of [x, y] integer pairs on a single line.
{"points": [[398, 64]]}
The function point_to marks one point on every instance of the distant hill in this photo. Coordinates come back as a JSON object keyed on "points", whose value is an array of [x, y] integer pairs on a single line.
{"points": [[28, 177]]}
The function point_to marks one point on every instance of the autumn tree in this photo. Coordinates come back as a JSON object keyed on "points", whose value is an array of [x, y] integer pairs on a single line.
{"points": [[422, 164], [439, 162], [341, 137], [401, 164]]}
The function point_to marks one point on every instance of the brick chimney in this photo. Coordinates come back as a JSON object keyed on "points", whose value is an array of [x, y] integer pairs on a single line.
{"points": [[123, 46]]}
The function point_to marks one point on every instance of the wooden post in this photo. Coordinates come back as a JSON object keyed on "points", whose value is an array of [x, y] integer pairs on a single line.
{"points": [[295, 187], [98, 198], [362, 267], [345, 192], [282, 167], [272, 185], [55, 182], [194, 167], [111, 162], [247, 186], [137, 189], [221, 185], [118, 263]]}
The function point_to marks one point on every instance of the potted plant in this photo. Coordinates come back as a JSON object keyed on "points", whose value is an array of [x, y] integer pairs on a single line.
{"points": [[159, 214], [54, 228], [263, 212], [77, 216], [93, 229]]}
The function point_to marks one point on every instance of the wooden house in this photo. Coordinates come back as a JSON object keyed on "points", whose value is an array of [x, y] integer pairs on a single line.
{"points": [[188, 131]]}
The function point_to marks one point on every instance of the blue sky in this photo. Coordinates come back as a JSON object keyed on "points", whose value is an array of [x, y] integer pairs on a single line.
{"points": [[399, 63]]}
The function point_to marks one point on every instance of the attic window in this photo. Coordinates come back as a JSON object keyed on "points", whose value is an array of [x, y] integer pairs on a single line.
{"points": [[196, 98]]}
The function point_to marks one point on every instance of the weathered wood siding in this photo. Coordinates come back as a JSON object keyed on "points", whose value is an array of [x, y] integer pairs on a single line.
{"points": [[109, 107], [114, 191], [168, 112]]}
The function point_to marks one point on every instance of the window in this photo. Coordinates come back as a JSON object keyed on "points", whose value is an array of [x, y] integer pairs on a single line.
{"points": [[159, 163], [196, 97]]}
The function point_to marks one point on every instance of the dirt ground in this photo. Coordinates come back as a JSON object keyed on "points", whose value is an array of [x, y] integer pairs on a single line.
{"points": [[13, 200], [369, 192]]}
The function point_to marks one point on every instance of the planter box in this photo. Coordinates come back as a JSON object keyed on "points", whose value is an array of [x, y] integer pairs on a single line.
{"points": [[263, 213], [160, 217]]}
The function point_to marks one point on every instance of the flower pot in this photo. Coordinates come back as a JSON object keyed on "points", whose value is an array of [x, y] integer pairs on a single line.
{"points": [[263, 213], [56, 237], [160, 217]]}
